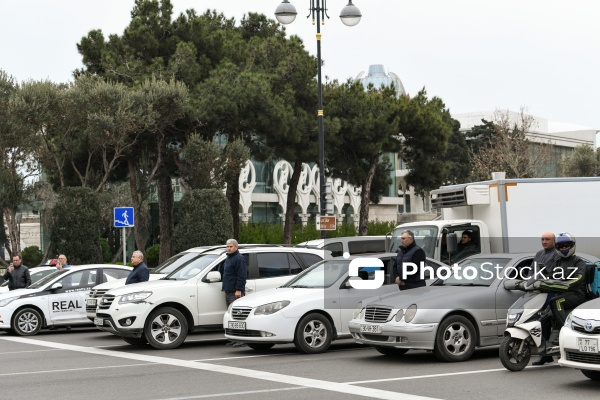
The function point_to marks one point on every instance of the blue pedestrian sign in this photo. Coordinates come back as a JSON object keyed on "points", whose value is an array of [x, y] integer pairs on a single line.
{"points": [[123, 217]]}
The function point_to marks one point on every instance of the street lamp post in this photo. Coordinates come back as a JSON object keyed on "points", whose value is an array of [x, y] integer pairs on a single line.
{"points": [[350, 16]]}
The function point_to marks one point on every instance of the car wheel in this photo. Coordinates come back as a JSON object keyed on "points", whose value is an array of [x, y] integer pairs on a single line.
{"points": [[135, 341], [166, 328], [313, 334], [455, 339], [593, 375], [390, 351], [511, 357], [27, 322], [260, 346]]}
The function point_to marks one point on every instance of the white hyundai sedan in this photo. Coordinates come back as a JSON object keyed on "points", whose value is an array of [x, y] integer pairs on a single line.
{"points": [[310, 310], [55, 300]]}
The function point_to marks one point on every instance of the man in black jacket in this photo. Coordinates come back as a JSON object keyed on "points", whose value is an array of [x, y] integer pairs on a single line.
{"points": [[17, 274], [234, 272], [409, 253], [140, 272]]}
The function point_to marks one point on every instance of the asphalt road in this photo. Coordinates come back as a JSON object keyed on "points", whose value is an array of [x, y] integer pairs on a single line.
{"points": [[89, 364]]}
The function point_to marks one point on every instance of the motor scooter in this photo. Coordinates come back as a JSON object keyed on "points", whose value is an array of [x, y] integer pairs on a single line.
{"points": [[523, 335]]}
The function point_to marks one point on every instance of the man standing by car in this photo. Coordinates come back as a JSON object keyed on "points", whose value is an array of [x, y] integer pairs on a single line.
{"points": [[62, 262], [140, 272], [233, 276], [409, 253], [17, 274]]}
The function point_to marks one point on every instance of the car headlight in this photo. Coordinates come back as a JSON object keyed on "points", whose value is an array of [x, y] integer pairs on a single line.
{"points": [[229, 308], [134, 297], [357, 310], [7, 301], [399, 315], [568, 320], [271, 308], [410, 313], [511, 319]]}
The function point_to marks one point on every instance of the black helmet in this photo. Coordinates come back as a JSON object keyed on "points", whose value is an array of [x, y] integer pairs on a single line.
{"points": [[565, 245]]}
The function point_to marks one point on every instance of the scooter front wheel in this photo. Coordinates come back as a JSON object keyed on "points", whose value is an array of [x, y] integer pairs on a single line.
{"points": [[514, 353]]}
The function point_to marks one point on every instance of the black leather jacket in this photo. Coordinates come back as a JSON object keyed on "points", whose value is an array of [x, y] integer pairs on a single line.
{"points": [[18, 278]]}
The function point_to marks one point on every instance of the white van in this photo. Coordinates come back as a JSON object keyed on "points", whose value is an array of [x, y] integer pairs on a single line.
{"points": [[349, 244]]}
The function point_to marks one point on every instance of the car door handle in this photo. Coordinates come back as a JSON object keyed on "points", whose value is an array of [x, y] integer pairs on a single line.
{"points": [[248, 290]]}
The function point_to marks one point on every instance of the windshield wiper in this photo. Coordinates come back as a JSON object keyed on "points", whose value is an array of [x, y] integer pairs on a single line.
{"points": [[299, 286]]}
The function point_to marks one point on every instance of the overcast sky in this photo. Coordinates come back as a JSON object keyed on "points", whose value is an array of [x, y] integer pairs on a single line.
{"points": [[477, 55]]}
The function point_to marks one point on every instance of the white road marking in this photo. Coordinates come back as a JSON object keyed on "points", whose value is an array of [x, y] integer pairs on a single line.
{"points": [[205, 396], [26, 351], [76, 369], [406, 378], [238, 372]]}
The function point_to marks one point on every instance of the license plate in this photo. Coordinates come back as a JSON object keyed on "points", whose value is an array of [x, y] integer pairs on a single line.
{"points": [[91, 302], [370, 328], [587, 345], [98, 321], [237, 325]]}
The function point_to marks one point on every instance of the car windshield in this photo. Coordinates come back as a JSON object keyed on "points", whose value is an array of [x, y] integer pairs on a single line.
{"points": [[321, 275], [471, 272], [175, 262], [48, 278], [192, 267]]}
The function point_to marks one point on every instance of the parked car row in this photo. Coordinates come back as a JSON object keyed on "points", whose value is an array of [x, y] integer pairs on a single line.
{"points": [[298, 295]]}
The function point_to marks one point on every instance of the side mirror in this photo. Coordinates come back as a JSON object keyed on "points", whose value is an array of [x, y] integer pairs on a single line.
{"points": [[451, 243], [511, 284], [56, 286], [213, 276], [347, 284]]}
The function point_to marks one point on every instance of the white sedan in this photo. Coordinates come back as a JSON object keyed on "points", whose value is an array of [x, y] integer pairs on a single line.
{"points": [[310, 310], [55, 300], [579, 340], [36, 274]]}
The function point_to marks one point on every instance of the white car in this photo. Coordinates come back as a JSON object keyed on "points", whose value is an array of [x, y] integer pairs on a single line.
{"points": [[165, 268], [36, 274], [579, 339], [310, 310], [56, 300], [164, 311]]}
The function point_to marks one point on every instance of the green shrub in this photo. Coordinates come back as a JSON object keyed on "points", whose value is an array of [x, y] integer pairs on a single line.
{"points": [[377, 228], [32, 256], [105, 250], [206, 220], [152, 255]]}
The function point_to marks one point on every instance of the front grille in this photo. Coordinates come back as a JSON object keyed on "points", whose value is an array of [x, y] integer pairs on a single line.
{"points": [[579, 328], [95, 294], [106, 301], [586, 358], [240, 313], [377, 314], [375, 338], [242, 332]]}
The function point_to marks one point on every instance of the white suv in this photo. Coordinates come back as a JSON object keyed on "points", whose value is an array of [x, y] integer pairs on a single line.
{"points": [[165, 268], [164, 311]]}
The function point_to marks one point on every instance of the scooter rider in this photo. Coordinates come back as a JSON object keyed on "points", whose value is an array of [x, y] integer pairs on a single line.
{"points": [[566, 281]]}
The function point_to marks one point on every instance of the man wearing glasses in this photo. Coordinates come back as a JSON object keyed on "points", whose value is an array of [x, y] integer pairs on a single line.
{"points": [[17, 274], [62, 262]]}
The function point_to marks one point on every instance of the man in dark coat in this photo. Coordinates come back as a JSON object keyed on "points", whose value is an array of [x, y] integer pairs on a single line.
{"points": [[17, 274], [140, 272], [409, 253], [234, 272]]}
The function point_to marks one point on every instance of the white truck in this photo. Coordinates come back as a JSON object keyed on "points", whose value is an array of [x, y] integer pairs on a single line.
{"points": [[509, 216]]}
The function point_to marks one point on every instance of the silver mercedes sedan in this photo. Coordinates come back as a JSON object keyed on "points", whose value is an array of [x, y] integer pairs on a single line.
{"points": [[463, 309]]}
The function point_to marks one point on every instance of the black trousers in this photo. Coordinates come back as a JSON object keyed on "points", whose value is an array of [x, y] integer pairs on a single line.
{"points": [[563, 303]]}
